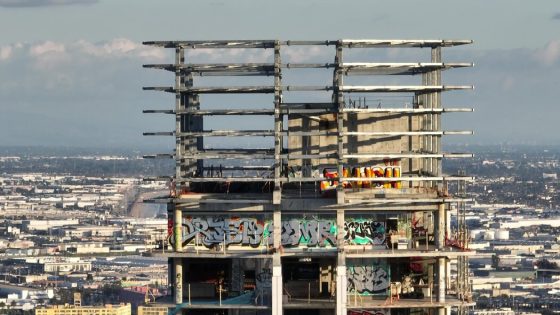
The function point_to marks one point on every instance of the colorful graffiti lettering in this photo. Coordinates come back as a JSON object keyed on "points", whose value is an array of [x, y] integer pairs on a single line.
{"points": [[252, 232], [364, 232], [368, 280], [387, 171], [209, 231], [310, 233], [369, 312], [219, 230]]}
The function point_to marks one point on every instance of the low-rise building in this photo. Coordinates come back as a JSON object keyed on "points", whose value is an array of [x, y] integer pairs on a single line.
{"points": [[84, 247], [121, 309], [58, 266], [152, 310]]}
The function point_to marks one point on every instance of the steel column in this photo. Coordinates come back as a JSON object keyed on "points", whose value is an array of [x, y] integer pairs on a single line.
{"points": [[338, 98]]}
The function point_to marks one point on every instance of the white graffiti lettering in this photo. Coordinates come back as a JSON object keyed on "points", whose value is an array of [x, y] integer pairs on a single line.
{"points": [[251, 232], [218, 230], [364, 232], [368, 280]]}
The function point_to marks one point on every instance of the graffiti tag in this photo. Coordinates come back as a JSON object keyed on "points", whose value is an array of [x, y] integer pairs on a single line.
{"points": [[264, 279], [219, 230], [367, 280], [310, 233], [210, 231], [364, 232]]}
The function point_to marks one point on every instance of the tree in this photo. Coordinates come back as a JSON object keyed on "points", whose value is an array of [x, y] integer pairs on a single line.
{"points": [[546, 264]]}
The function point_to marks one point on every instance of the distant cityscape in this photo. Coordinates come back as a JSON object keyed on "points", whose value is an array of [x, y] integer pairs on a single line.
{"points": [[514, 227], [75, 222]]}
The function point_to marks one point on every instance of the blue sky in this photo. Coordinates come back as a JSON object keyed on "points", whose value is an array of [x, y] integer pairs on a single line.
{"points": [[70, 70]]}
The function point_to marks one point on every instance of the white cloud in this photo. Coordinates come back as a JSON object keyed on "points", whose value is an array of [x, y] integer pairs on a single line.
{"points": [[115, 47], [5, 52], [41, 3], [303, 53], [67, 83], [550, 53], [65, 66], [47, 47], [49, 54], [291, 54], [120, 47], [204, 55], [152, 53]]}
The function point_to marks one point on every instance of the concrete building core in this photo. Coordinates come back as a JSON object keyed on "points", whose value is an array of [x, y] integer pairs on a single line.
{"points": [[339, 205]]}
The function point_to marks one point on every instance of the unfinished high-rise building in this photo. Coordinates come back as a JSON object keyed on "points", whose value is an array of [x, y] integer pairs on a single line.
{"points": [[309, 179]]}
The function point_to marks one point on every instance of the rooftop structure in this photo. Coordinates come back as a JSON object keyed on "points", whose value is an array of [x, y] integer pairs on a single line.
{"points": [[347, 209]]}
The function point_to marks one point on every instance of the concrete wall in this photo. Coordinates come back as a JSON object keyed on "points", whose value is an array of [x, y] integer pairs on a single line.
{"points": [[355, 122]]}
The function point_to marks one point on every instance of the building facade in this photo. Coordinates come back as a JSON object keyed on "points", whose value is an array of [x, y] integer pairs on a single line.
{"points": [[325, 198], [152, 310], [121, 309]]}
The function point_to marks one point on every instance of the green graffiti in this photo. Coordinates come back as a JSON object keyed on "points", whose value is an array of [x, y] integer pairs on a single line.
{"points": [[364, 232]]}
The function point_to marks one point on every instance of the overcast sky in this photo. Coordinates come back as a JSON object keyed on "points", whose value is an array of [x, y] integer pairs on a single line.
{"points": [[71, 75]]}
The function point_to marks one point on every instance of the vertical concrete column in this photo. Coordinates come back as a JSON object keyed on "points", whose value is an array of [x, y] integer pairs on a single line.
{"points": [[423, 121], [338, 98], [340, 230], [277, 264], [177, 230], [437, 165], [177, 262], [341, 279], [441, 218], [441, 279], [178, 267], [179, 55], [278, 126], [277, 290], [341, 284]]}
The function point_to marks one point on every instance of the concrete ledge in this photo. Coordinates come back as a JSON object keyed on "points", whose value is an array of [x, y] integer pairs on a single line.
{"points": [[406, 303], [332, 252]]}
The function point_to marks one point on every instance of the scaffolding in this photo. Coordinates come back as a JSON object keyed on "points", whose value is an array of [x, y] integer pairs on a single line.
{"points": [[332, 163]]}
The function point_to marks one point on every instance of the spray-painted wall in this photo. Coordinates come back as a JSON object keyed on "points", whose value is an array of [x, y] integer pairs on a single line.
{"points": [[209, 231], [368, 277], [370, 312], [364, 232], [254, 232]]}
